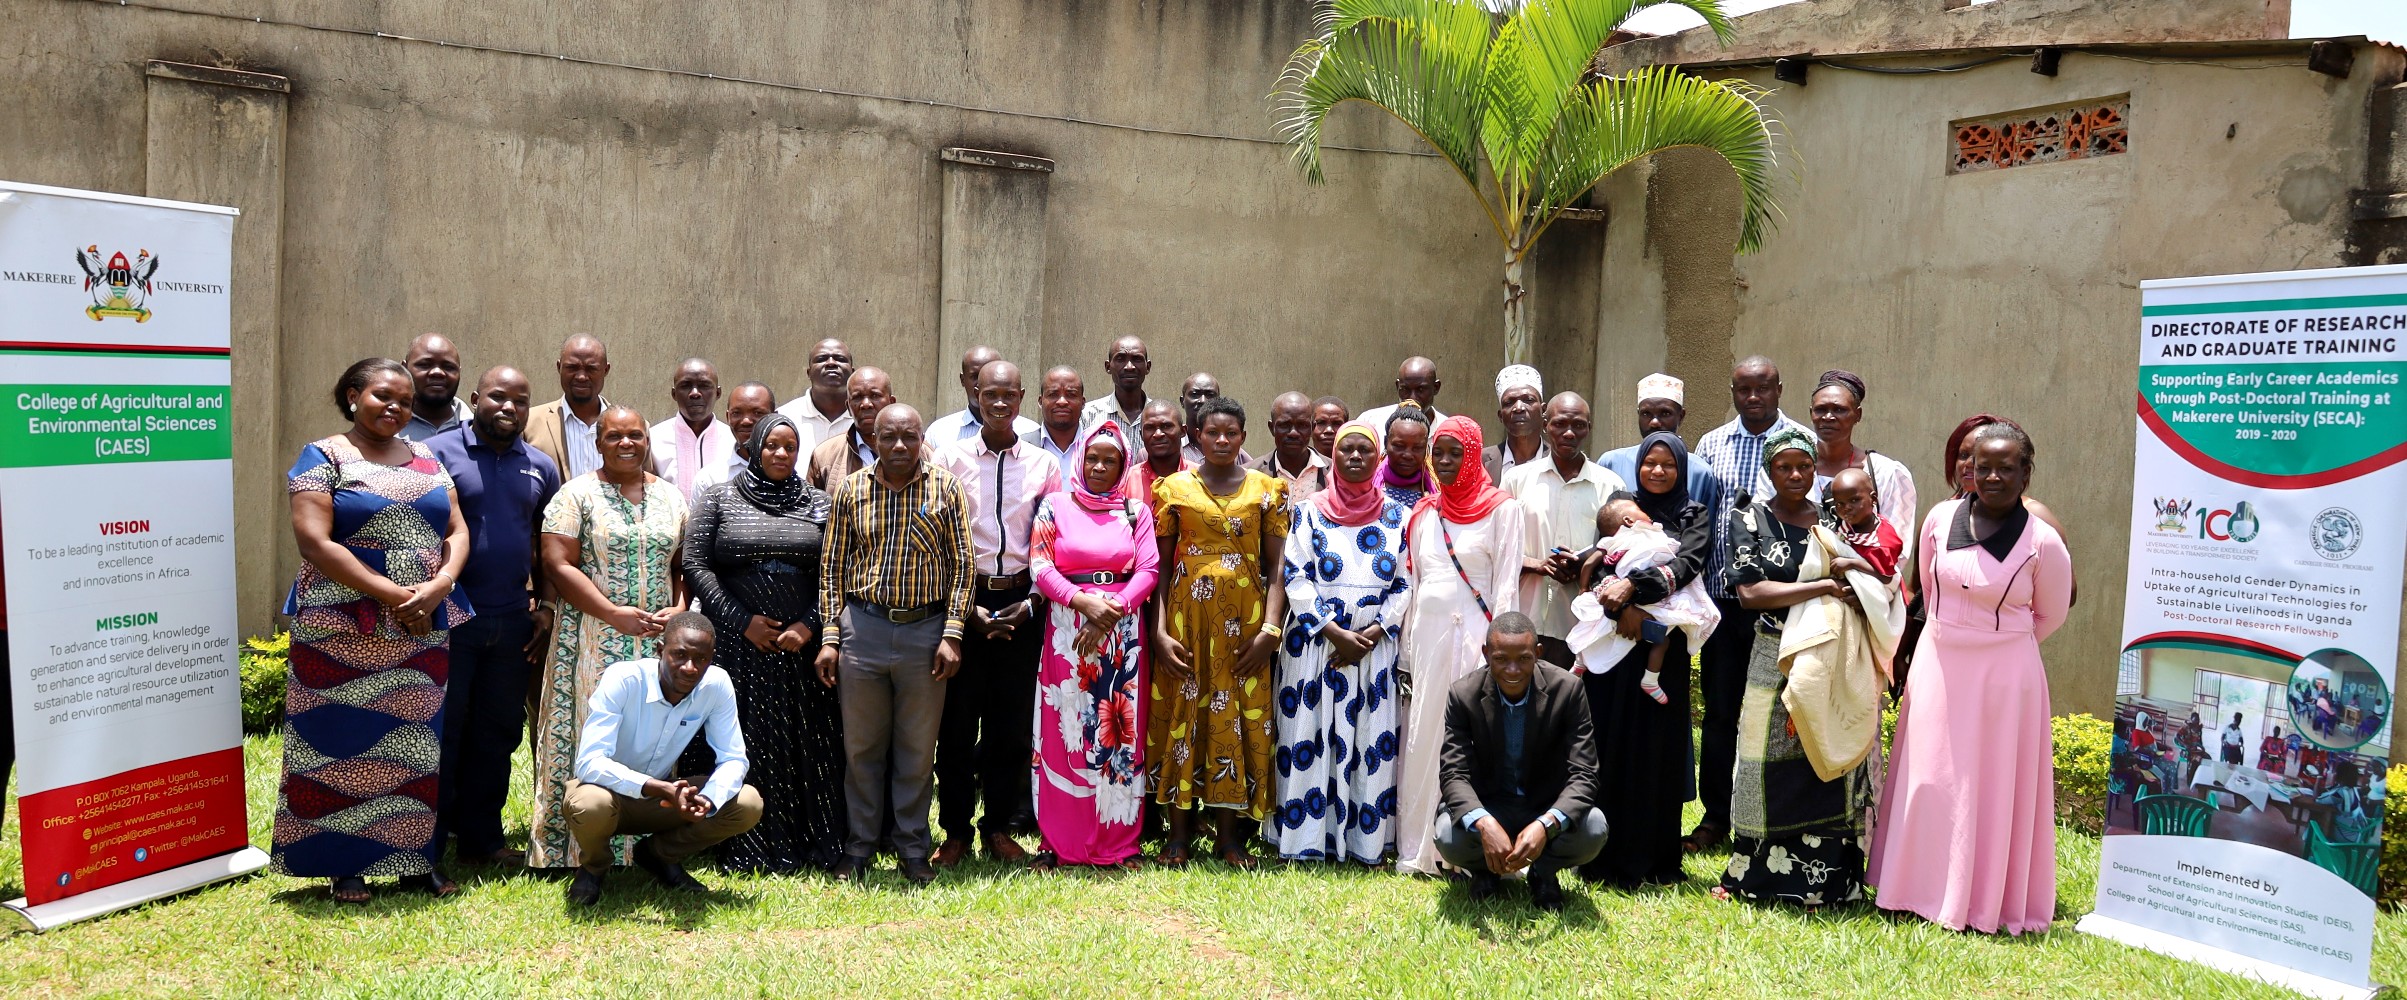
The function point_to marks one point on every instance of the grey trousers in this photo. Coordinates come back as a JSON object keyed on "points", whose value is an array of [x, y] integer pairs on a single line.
{"points": [[1577, 844], [893, 709]]}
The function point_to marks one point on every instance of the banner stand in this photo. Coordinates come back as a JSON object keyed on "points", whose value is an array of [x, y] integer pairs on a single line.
{"points": [[135, 892], [2216, 958]]}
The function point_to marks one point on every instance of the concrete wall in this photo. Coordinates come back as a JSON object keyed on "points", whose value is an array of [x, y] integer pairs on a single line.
{"points": [[510, 199], [2013, 291]]}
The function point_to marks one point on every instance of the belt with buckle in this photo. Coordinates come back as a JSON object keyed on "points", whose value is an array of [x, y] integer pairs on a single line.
{"points": [[1014, 581], [1102, 578], [903, 616]]}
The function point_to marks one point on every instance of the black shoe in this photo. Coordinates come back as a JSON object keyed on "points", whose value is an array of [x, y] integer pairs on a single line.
{"points": [[1484, 885], [585, 889], [1545, 892], [851, 869], [671, 875], [919, 871]]}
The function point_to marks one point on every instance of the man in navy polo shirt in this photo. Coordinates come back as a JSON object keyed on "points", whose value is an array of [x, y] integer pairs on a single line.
{"points": [[503, 484]]}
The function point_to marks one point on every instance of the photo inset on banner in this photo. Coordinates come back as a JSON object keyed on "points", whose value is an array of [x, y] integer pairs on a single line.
{"points": [[2230, 742], [2340, 702]]}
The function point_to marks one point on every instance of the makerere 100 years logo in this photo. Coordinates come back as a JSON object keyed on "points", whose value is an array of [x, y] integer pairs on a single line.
{"points": [[2237, 524], [119, 287]]}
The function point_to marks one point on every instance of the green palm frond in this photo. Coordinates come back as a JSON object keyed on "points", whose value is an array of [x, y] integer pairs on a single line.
{"points": [[1612, 122], [1539, 57], [1420, 60]]}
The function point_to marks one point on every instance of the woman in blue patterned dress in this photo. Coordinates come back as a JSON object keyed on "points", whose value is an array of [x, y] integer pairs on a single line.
{"points": [[1346, 592], [382, 542]]}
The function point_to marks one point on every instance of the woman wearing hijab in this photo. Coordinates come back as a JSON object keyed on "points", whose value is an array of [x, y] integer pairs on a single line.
{"points": [[1642, 741], [1093, 556], [1463, 558], [1797, 838], [1336, 699], [1404, 476], [752, 562]]}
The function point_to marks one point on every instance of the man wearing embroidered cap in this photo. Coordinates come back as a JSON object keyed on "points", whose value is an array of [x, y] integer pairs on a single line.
{"points": [[1520, 393], [1662, 407]]}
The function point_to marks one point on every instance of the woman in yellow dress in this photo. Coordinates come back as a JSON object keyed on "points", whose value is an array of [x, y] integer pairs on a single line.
{"points": [[1209, 733]]}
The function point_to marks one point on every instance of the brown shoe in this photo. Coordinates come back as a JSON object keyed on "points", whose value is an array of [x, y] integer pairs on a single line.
{"points": [[954, 849], [1001, 847]]}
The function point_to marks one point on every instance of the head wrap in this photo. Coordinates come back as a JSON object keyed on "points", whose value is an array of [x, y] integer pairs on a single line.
{"points": [[1420, 481], [1515, 376], [1661, 386], [1074, 479], [1664, 507], [1470, 496], [1844, 379], [1346, 504], [1787, 438], [782, 497]]}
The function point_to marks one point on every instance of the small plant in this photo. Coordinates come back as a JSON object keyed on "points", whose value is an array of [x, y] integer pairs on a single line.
{"points": [[2393, 866], [2084, 751], [264, 661]]}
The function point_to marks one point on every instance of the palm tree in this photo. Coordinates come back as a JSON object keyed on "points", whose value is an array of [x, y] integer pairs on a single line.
{"points": [[1507, 97]]}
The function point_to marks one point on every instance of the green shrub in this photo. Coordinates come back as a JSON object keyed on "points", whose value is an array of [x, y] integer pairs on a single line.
{"points": [[2394, 850], [2084, 751], [263, 669]]}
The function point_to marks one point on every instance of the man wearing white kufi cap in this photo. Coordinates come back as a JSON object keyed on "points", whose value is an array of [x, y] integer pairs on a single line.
{"points": [[1661, 407], [1520, 398]]}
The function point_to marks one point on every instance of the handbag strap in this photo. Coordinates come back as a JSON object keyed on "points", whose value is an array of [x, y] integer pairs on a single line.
{"points": [[1448, 536]]}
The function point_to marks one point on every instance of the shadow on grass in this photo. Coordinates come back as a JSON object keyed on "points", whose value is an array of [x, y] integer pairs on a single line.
{"points": [[1508, 917]]}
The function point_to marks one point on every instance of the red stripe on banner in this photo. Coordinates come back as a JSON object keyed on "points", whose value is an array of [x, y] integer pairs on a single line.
{"points": [[45, 345], [2221, 470], [2214, 639], [132, 823]]}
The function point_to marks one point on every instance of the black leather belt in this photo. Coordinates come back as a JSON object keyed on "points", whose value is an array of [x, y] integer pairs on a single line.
{"points": [[903, 616], [1103, 578], [1014, 581]]}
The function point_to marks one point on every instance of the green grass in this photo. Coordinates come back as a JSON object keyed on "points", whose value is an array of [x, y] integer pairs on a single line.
{"points": [[988, 930]]}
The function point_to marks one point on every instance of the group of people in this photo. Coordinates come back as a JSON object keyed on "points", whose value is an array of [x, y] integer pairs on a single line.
{"points": [[1382, 640]]}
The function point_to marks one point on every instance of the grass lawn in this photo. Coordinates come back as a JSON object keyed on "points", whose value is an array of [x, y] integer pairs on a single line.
{"points": [[989, 930]]}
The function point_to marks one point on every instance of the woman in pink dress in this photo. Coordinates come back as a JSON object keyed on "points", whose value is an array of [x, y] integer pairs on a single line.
{"points": [[1093, 556], [1967, 831]]}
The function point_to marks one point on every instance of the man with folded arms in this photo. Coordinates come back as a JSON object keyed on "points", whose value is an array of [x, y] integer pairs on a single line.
{"points": [[1518, 769], [641, 717], [894, 594]]}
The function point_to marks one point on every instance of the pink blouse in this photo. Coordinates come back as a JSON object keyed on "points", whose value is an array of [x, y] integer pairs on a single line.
{"points": [[1072, 539], [2028, 591]]}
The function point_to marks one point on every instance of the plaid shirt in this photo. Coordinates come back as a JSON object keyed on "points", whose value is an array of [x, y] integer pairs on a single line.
{"points": [[1736, 458], [900, 548]]}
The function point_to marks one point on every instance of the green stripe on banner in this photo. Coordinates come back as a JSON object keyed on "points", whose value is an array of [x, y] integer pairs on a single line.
{"points": [[45, 425], [63, 353], [2274, 305]]}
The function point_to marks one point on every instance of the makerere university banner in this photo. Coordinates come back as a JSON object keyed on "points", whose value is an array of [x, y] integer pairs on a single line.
{"points": [[116, 514], [2260, 624]]}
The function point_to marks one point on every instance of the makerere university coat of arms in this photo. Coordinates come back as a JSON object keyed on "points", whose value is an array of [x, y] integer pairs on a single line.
{"points": [[118, 288]]}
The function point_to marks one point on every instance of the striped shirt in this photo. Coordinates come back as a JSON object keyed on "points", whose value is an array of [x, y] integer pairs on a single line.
{"points": [[899, 548], [1736, 458]]}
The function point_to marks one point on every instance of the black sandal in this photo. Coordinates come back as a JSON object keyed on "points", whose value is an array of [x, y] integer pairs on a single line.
{"points": [[1704, 838], [1044, 861], [351, 890], [433, 883]]}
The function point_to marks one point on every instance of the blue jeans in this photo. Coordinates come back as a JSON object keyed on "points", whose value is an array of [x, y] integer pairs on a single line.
{"points": [[484, 716]]}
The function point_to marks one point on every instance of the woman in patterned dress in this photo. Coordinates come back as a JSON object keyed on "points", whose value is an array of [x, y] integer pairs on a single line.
{"points": [[382, 542], [610, 548], [752, 561], [1346, 592], [1093, 557], [1208, 743]]}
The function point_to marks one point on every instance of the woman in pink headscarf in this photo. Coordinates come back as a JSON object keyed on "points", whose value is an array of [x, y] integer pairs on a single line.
{"points": [[1093, 556], [1463, 554]]}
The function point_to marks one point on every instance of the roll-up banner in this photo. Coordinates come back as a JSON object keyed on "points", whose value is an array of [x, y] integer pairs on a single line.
{"points": [[2260, 624], [117, 520]]}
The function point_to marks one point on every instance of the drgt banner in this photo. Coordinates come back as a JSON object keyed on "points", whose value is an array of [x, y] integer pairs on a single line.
{"points": [[117, 520], [2260, 624]]}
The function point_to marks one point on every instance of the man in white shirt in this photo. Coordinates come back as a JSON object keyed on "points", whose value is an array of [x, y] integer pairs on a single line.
{"points": [[820, 413], [693, 449], [1061, 400], [1561, 494], [1291, 457], [1416, 382], [1127, 365], [984, 744], [642, 716], [965, 423]]}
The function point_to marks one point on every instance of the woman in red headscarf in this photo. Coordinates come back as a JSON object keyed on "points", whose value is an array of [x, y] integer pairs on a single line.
{"points": [[1463, 553]]}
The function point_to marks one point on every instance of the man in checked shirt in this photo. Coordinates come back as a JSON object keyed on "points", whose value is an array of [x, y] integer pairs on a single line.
{"points": [[895, 594], [990, 709]]}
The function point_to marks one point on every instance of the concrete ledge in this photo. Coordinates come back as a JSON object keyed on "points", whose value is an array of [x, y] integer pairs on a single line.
{"points": [[246, 79], [1002, 161]]}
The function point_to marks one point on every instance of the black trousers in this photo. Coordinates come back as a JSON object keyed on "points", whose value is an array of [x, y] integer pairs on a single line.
{"points": [[484, 715], [989, 718], [1722, 672]]}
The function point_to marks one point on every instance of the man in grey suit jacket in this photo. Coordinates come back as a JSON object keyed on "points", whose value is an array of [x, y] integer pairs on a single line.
{"points": [[1518, 769]]}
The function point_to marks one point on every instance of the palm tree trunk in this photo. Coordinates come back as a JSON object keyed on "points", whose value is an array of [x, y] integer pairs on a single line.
{"points": [[1517, 345]]}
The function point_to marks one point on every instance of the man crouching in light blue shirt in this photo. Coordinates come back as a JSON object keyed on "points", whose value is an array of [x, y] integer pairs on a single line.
{"points": [[642, 716]]}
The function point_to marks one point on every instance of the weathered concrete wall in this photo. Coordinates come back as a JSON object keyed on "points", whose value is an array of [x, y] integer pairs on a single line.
{"points": [[1846, 27], [2016, 291], [511, 199]]}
